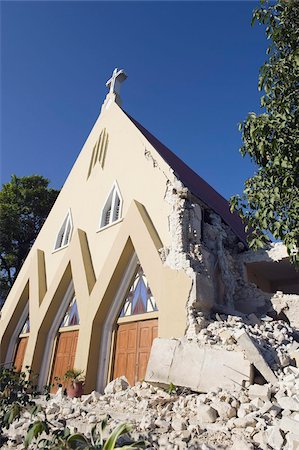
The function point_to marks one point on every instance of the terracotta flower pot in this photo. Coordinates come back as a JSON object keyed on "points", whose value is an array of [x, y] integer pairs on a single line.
{"points": [[75, 389]]}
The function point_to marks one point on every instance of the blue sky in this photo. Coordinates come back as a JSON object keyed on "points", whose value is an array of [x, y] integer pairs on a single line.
{"points": [[192, 76]]}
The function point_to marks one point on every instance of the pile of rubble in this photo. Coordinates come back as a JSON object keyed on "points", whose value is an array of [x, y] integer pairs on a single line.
{"points": [[263, 415], [259, 417], [275, 339]]}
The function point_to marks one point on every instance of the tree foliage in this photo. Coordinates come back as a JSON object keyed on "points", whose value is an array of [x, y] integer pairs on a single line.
{"points": [[270, 201], [25, 203]]}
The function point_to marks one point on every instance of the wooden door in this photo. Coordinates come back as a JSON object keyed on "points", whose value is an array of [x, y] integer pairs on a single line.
{"points": [[20, 353], [133, 346], [64, 356]]}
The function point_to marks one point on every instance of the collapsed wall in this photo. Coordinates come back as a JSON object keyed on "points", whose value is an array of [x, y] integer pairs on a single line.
{"points": [[236, 333]]}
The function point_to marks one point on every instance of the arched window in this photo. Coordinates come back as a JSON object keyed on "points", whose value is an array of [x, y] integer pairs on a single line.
{"points": [[64, 235], [71, 316], [112, 210], [21, 345], [140, 299]]}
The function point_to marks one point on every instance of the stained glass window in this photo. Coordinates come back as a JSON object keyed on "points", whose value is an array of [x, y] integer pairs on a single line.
{"points": [[71, 316], [26, 326], [139, 299]]}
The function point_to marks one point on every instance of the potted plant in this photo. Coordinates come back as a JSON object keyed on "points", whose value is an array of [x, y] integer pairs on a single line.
{"points": [[75, 382]]}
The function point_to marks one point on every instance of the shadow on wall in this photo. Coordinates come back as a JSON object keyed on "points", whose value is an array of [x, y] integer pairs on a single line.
{"points": [[274, 276]]}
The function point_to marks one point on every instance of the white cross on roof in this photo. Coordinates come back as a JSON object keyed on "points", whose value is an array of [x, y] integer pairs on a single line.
{"points": [[118, 76]]}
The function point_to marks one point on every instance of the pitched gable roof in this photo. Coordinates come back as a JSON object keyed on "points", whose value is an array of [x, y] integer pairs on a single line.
{"points": [[197, 185]]}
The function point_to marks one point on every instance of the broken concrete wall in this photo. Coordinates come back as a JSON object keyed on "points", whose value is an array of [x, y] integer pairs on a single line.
{"points": [[200, 368], [214, 258], [270, 269], [207, 249]]}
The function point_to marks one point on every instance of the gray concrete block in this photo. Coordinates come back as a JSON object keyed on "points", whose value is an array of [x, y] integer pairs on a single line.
{"points": [[253, 354], [202, 369]]}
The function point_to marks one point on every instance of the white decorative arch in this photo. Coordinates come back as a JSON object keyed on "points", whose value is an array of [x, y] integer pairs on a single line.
{"points": [[106, 338], [14, 338], [48, 352]]}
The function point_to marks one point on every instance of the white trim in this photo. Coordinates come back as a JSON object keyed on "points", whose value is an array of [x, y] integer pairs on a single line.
{"points": [[48, 351], [68, 221], [110, 225], [110, 202], [105, 348], [59, 248], [10, 354]]}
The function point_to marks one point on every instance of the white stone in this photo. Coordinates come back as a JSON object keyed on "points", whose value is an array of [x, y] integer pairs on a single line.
{"points": [[185, 435], [92, 419], [288, 403], [206, 414], [66, 411], [254, 356], [274, 437], [224, 410], [260, 437], [178, 424], [289, 424], [243, 422], [257, 403], [240, 444], [162, 424], [208, 368], [117, 385], [86, 399], [259, 391], [59, 396], [293, 441]]}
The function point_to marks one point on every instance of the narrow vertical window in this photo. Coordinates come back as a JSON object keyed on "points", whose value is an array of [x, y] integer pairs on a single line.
{"points": [[64, 235], [112, 209]]}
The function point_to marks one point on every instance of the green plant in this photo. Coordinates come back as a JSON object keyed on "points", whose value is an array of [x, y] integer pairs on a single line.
{"points": [[62, 439], [74, 375], [269, 204], [171, 388], [17, 390]]}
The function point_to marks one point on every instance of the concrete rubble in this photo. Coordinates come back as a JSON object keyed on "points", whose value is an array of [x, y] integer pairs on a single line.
{"points": [[258, 417], [263, 415], [236, 370]]}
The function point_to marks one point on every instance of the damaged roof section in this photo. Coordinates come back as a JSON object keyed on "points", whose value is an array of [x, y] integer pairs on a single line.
{"points": [[197, 185]]}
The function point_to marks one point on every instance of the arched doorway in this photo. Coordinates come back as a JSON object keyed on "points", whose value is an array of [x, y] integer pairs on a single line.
{"points": [[65, 345], [21, 346], [136, 327]]}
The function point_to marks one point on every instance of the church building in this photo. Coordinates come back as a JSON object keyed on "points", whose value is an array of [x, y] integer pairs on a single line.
{"points": [[134, 248]]}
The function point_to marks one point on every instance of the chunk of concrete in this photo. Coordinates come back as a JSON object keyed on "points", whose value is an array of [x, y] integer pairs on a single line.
{"points": [[275, 439], [206, 414], [289, 424], [288, 403], [259, 391], [185, 363], [253, 354], [293, 441], [117, 385]]}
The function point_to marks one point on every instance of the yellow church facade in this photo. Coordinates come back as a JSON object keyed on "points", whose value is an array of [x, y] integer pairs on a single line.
{"points": [[109, 270]]}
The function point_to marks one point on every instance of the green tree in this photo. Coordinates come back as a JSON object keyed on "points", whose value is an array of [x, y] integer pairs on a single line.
{"points": [[270, 201], [25, 203]]}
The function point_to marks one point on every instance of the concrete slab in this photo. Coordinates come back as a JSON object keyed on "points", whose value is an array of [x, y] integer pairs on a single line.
{"points": [[202, 369], [253, 354]]}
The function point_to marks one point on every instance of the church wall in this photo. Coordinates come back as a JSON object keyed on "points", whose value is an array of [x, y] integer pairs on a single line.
{"points": [[140, 177], [136, 177]]}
